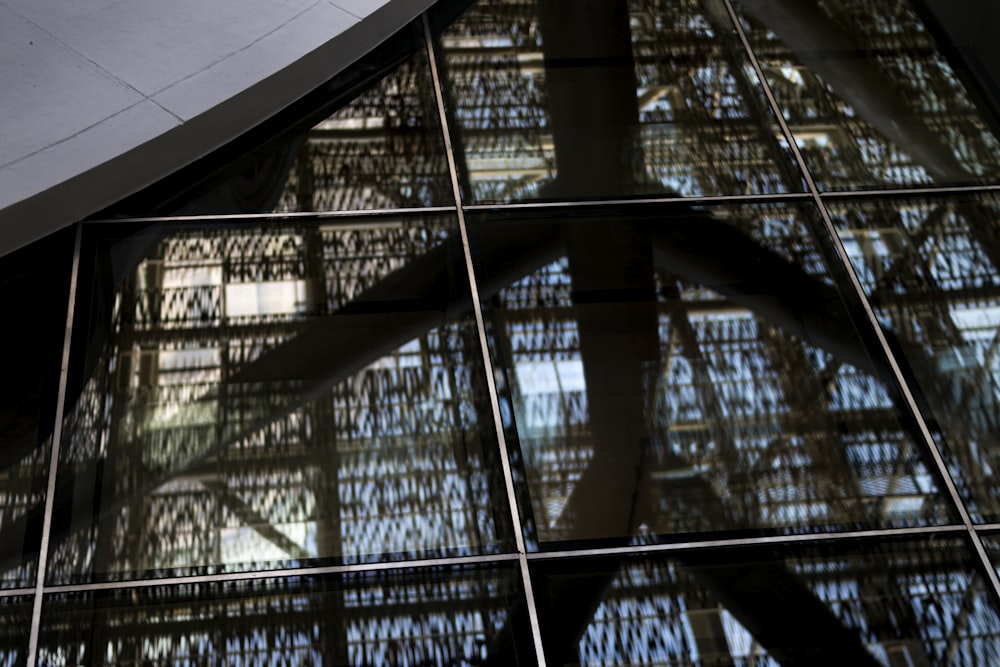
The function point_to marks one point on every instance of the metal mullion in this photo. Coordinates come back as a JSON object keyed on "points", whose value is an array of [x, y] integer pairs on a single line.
{"points": [[256, 575], [836, 255], [278, 217], [484, 345], [693, 546], [50, 488], [781, 197], [925, 191]]}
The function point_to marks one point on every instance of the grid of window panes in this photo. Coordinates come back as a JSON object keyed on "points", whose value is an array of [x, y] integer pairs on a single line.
{"points": [[661, 333]]}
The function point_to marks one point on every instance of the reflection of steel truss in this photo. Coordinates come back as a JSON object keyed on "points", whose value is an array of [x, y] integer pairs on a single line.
{"points": [[434, 618], [694, 111], [930, 269], [330, 410], [276, 389], [381, 151]]}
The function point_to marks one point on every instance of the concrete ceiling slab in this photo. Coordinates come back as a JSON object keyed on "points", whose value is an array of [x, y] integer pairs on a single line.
{"points": [[105, 97], [239, 71], [36, 110]]}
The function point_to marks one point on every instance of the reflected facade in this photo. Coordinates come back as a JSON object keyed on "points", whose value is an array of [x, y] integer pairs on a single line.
{"points": [[929, 273], [870, 94], [594, 337], [276, 393], [650, 98], [897, 604], [677, 370], [448, 618]]}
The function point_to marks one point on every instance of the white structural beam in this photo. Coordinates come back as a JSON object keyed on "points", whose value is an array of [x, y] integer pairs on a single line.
{"points": [[101, 98]]}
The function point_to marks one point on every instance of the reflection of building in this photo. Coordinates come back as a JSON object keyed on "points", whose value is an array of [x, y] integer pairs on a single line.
{"points": [[281, 436]]}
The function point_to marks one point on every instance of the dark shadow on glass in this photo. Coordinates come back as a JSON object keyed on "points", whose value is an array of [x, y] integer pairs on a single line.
{"points": [[34, 287]]}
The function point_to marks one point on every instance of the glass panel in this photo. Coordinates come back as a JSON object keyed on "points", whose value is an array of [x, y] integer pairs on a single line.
{"points": [[15, 622], [649, 97], [369, 139], [34, 286], [428, 617], [676, 371], [888, 604], [273, 394], [870, 97], [383, 150], [929, 267]]}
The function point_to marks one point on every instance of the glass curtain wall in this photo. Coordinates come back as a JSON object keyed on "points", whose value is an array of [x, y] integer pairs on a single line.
{"points": [[614, 332]]}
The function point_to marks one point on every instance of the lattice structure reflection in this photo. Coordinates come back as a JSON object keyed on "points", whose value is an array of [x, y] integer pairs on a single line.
{"points": [[875, 102], [751, 427], [383, 150], [400, 620], [311, 393], [208, 471]]}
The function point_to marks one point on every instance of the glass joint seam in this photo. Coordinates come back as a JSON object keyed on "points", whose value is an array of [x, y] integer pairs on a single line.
{"points": [[50, 493], [483, 341]]}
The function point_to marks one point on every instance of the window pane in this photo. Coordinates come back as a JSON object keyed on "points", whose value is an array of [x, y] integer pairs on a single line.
{"points": [[264, 395], [15, 622], [675, 370], [929, 267], [34, 285], [869, 95], [368, 139], [621, 98], [428, 617], [913, 603]]}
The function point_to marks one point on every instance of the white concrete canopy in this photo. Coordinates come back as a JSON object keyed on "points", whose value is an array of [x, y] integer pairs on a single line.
{"points": [[101, 98]]}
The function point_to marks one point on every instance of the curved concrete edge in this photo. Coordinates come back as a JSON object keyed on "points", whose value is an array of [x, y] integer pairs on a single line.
{"points": [[149, 139]]}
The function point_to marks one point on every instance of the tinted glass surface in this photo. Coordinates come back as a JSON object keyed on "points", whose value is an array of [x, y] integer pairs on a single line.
{"points": [[675, 370], [389, 618], [612, 99], [257, 395], [34, 284], [917, 603], [15, 620], [929, 267], [368, 139], [870, 97], [383, 150]]}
